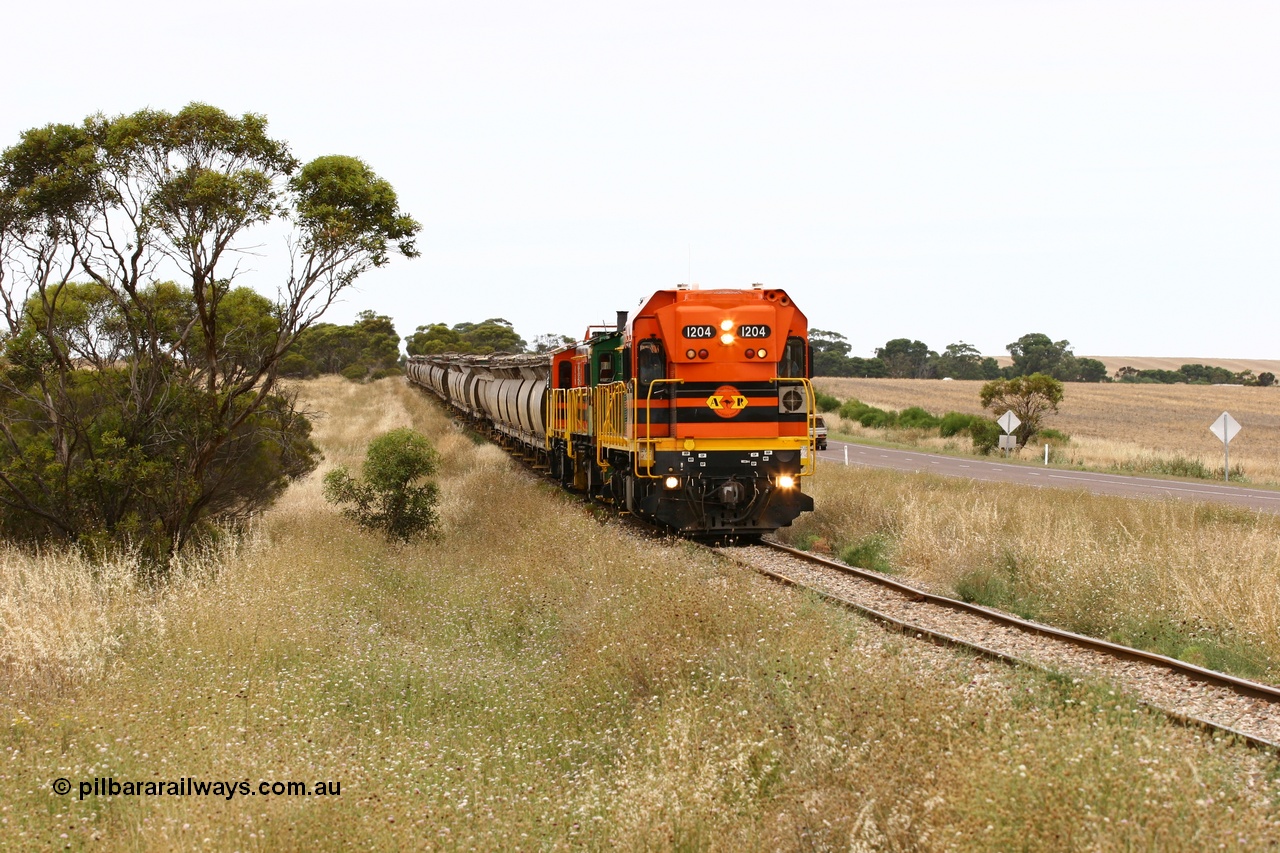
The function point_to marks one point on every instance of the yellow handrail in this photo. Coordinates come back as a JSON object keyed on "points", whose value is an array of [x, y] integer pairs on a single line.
{"points": [[554, 417], [568, 414], [578, 411], [609, 404], [808, 460], [645, 446]]}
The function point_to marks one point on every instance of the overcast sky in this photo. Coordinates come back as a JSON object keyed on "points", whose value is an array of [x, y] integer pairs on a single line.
{"points": [[1104, 172]]}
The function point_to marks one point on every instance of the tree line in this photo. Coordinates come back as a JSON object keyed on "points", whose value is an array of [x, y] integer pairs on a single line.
{"points": [[369, 348], [903, 358], [1195, 374]]}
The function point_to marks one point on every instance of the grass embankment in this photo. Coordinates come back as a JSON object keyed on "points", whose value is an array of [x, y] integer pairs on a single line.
{"points": [[1196, 581], [1118, 427], [534, 679]]}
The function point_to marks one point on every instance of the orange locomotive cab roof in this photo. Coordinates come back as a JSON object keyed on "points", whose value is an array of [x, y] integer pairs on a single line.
{"points": [[724, 323]]}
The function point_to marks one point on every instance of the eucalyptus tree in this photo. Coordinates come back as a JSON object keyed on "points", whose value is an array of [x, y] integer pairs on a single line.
{"points": [[138, 377], [1030, 398], [907, 359]]}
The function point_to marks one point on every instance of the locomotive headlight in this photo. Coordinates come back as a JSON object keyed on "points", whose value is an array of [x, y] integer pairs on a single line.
{"points": [[761, 353], [726, 325], [672, 482], [726, 339], [786, 481]]}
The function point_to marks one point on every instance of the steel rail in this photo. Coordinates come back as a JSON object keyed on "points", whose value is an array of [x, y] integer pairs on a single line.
{"points": [[1241, 686]]}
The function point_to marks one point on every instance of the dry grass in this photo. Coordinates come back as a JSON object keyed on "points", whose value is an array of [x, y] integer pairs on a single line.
{"points": [[533, 679], [63, 617], [1193, 580], [1112, 426]]}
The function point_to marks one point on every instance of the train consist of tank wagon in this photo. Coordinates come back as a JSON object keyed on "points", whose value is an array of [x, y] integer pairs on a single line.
{"points": [[696, 413]]}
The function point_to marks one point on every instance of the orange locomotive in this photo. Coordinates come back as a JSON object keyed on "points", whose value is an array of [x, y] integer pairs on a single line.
{"points": [[696, 414]]}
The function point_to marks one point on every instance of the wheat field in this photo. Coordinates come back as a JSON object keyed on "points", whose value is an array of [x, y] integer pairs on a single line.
{"points": [[1112, 426]]}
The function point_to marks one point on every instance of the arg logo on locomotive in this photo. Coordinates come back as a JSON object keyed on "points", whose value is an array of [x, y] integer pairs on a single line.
{"points": [[727, 401]]}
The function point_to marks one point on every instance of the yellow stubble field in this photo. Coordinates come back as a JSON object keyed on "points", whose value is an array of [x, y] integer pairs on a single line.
{"points": [[1112, 426]]}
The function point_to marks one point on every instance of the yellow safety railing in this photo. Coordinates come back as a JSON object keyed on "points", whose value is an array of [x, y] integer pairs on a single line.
{"points": [[568, 413], [645, 447], [554, 417], [577, 411], [609, 406], [808, 460]]}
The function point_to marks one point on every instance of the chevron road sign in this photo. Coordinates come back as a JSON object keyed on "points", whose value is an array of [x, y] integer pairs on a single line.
{"points": [[1225, 428]]}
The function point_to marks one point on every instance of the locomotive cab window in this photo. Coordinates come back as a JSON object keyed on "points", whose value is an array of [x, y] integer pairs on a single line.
{"points": [[606, 369], [565, 379], [792, 364], [651, 361]]}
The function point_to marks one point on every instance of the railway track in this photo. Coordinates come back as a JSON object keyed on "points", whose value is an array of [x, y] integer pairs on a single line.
{"points": [[1189, 694]]}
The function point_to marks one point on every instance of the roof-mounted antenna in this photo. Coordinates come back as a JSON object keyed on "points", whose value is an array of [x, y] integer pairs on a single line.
{"points": [[755, 285]]}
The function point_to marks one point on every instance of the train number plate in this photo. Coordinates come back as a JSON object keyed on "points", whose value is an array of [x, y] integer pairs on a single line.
{"points": [[758, 330], [701, 332]]}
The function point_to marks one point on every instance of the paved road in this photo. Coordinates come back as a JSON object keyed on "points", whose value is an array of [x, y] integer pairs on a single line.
{"points": [[1000, 472]]}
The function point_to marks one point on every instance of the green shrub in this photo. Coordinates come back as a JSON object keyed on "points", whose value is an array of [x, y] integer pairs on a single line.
{"points": [[853, 409], [296, 365], [917, 418], [1053, 436], [954, 423], [986, 435], [804, 541], [826, 402], [985, 586], [354, 372], [868, 416], [874, 418], [868, 553], [387, 498], [1000, 587]]}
